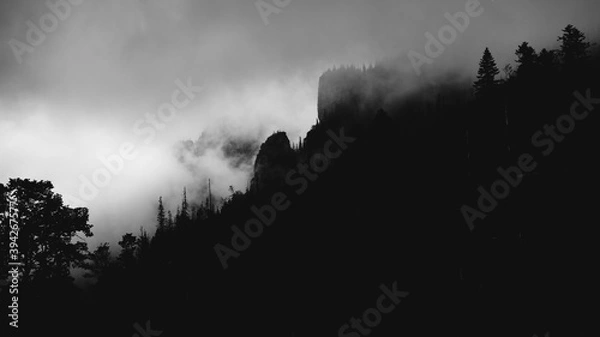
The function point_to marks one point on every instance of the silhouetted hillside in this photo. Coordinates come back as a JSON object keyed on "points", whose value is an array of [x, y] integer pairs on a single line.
{"points": [[274, 159]]}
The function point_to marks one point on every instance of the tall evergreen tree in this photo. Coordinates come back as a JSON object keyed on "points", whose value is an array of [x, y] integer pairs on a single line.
{"points": [[486, 76], [169, 219], [526, 58], [178, 216], [526, 54], [547, 59], [184, 206], [574, 48], [143, 245], [128, 245], [160, 217]]}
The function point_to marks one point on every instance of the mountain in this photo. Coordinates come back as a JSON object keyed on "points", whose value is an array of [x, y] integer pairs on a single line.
{"points": [[274, 159]]}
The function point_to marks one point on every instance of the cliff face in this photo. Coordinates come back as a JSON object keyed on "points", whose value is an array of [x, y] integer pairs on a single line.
{"points": [[353, 97], [350, 95], [358, 92], [275, 158], [340, 87]]}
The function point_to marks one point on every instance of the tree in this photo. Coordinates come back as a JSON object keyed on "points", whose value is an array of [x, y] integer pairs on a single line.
{"points": [[574, 49], [184, 206], [169, 220], [47, 231], [526, 57], [547, 59], [526, 54], [160, 217], [486, 76], [178, 217], [143, 245], [128, 245], [100, 261]]}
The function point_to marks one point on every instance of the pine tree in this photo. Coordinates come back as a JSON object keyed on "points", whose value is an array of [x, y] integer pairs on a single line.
{"points": [[178, 216], [573, 49], [209, 201], [184, 206], [547, 59], [143, 245], [526, 54], [160, 218], [101, 260], [527, 58], [128, 245], [169, 220], [486, 76]]}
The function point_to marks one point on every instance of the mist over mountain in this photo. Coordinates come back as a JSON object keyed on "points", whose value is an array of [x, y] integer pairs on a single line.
{"points": [[219, 156], [316, 167]]}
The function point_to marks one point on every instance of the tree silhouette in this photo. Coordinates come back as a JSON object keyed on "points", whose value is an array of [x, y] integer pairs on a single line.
{"points": [[160, 217], [143, 245], [574, 48], [486, 75], [169, 220], [183, 213], [128, 245], [47, 231], [547, 58], [100, 261], [526, 58], [526, 54]]}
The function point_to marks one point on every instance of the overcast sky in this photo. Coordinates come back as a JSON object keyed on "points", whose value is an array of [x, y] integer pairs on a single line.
{"points": [[81, 91]]}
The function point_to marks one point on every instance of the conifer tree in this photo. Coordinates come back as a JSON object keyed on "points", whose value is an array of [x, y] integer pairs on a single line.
{"points": [[574, 48], [486, 76], [128, 245], [526, 57], [547, 58], [169, 219], [143, 245], [100, 261], [184, 206], [160, 218]]}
